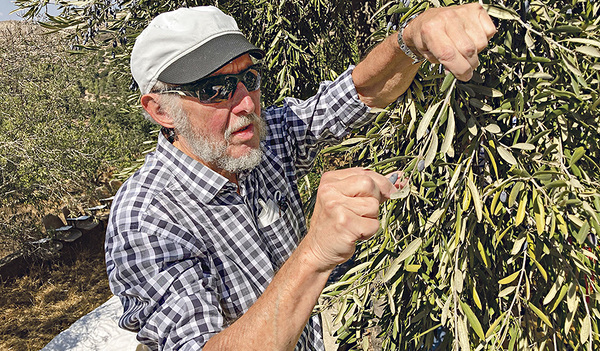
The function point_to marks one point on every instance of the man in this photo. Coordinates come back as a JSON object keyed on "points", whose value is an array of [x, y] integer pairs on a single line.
{"points": [[207, 245]]}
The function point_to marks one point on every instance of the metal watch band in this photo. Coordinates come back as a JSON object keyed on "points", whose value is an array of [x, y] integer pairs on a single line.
{"points": [[402, 44]]}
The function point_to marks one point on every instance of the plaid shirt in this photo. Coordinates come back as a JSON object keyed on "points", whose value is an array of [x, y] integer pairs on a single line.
{"points": [[187, 255]]}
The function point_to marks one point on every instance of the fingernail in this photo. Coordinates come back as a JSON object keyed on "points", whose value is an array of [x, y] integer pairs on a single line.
{"points": [[393, 178]]}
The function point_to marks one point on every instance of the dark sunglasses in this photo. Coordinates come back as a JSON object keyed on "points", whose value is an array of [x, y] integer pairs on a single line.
{"points": [[211, 90]]}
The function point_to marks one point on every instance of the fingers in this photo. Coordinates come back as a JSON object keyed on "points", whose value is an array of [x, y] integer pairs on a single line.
{"points": [[366, 207], [365, 228], [346, 210], [359, 182], [486, 23], [457, 52], [452, 36], [358, 223], [397, 178]]}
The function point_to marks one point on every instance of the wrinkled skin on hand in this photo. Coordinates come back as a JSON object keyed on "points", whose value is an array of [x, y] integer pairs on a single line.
{"points": [[346, 210], [452, 36]]}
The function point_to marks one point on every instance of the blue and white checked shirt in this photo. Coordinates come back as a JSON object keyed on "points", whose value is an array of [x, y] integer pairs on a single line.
{"points": [[187, 255]]}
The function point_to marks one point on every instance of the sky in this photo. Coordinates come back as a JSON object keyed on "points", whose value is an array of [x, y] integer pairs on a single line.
{"points": [[6, 6]]}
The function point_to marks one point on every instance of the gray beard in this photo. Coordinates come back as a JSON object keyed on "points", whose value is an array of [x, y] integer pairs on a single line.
{"points": [[214, 152]]}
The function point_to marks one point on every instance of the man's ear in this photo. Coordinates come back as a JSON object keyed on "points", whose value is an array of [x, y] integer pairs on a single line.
{"points": [[150, 103]]}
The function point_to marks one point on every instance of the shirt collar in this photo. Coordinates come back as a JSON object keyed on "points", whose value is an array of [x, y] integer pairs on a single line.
{"points": [[190, 174]]}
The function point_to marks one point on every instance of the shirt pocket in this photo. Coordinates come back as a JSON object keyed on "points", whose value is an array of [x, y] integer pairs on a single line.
{"points": [[281, 236]]}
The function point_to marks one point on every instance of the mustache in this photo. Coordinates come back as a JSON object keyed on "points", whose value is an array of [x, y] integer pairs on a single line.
{"points": [[244, 121]]}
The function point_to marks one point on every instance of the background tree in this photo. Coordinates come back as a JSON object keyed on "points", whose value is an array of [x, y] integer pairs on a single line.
{"points": [[63, 130], [494, 243]]}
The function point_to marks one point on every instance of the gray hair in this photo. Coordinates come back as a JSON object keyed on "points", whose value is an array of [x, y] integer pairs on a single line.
{"points": [[167, 102]]}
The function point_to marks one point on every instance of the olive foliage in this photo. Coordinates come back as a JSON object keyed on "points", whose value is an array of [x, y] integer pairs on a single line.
{"points": [[494, 241]]}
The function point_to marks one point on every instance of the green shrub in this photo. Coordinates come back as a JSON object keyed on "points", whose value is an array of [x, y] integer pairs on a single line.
{"points": [[65, 126]]}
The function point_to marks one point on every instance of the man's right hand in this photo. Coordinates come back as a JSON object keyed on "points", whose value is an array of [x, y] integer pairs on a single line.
{"points": [[346, 210]]}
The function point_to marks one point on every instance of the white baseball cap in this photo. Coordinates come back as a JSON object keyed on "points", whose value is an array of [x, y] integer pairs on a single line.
{"points": [[185, 45]]}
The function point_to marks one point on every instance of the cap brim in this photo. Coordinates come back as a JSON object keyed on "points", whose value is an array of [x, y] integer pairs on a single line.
{"points": [[208, 58]]}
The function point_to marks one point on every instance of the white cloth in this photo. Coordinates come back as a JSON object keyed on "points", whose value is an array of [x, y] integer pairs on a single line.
{"points": [[96, 331]]}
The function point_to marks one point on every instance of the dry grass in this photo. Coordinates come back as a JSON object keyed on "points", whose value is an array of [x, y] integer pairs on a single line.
{"points": [[36, 307]]}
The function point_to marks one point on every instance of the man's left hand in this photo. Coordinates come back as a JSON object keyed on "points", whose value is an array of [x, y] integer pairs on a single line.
{"points": [[452, 36]]}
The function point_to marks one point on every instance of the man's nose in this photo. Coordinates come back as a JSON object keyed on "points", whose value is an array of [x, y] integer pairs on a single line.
{"points": [[241, 100]]}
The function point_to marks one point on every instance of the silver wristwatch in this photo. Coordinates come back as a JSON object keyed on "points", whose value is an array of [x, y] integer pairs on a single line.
{"points": [[402, 44]]}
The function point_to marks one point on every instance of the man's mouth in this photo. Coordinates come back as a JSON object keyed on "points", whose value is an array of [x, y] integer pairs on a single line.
{"points": [[245, 132], [242, 129]]}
